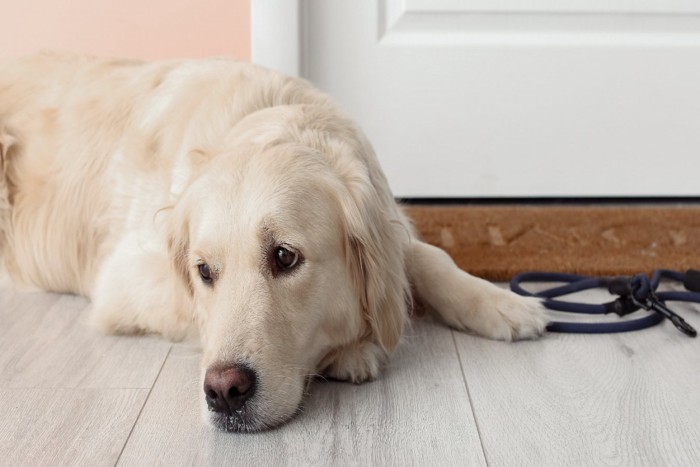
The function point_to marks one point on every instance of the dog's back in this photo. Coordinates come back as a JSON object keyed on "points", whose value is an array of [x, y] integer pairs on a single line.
{"points": [[62, 118], [86, 142]]}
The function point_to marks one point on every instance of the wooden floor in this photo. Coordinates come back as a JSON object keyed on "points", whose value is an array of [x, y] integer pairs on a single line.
{"points": [[69, 396]]}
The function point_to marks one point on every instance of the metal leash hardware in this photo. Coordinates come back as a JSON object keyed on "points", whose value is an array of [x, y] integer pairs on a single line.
{"points": [[639, 290], [652, 302]]}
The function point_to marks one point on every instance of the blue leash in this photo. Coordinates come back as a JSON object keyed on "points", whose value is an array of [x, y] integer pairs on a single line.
{"points": [[634, 293]]}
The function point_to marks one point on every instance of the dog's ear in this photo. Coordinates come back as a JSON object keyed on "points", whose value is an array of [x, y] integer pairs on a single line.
{"points": [[178, 222], [6, 142], [375, 252], [178, 245]]}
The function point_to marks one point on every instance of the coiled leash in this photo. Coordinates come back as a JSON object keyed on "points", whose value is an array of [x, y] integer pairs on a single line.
{"points": [[634, 293]]}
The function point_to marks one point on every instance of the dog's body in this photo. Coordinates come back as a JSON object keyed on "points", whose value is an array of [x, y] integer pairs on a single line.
{"points": [[218, 199]]}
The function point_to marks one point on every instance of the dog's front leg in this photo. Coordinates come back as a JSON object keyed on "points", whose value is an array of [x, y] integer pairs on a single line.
{"points": [[466, 302], [136, 292]]}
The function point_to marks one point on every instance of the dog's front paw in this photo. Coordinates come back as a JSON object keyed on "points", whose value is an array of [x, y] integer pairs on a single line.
{"points": [[497, 314], [356, 362], [508, 317]]}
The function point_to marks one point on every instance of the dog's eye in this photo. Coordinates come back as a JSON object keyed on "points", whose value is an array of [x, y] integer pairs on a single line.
{"points": [[285, 259], [205, 273]]}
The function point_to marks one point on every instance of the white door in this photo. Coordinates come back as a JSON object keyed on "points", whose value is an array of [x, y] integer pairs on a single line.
{"points": [[491, 98]]}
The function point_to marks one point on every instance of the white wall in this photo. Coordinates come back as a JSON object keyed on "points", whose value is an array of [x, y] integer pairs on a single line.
{"points": [[146, 29]]}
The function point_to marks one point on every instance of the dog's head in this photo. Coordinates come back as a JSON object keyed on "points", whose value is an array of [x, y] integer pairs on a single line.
{"points": [[292, 252]]}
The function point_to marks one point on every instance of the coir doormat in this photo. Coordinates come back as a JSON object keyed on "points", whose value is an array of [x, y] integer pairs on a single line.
{"points": [[497, 242]]}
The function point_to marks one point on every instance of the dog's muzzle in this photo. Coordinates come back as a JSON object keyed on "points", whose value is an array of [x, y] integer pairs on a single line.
{"points": [[227, 389]]}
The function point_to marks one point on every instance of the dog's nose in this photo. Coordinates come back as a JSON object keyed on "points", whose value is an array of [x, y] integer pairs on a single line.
{"points": [[228, 387]]}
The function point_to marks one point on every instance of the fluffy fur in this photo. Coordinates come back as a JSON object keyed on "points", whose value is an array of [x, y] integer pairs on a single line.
{"points": [[118, 179]]}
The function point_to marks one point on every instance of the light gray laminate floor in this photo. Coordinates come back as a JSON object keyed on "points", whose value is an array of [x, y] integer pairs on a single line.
{"points": [[69, 396]]}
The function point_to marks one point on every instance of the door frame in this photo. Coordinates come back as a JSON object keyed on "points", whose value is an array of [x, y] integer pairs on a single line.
{"points": [[276, 33]]}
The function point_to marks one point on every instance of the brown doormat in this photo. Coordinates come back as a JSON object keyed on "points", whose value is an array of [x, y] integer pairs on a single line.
{"points": [[496, 242]]}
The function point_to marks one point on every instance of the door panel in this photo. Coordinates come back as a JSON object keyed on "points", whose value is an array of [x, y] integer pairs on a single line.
{"points": [[479, 98]]}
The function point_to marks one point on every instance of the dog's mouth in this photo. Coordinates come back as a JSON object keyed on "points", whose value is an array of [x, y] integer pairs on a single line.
{"points": [[239, 421], [245, 420]]}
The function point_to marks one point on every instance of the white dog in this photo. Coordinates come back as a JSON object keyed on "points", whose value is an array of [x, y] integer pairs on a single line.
{"points": [[219, 199]]}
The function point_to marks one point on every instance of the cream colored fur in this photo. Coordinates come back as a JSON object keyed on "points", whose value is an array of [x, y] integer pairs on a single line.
{"points": [[118, 179]]}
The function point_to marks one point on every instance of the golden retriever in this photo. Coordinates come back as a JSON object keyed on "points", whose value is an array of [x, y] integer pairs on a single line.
{"points": [[221, 200]]}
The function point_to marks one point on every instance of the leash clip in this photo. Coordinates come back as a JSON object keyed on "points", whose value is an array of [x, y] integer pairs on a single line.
{"points": [[652, 302]]}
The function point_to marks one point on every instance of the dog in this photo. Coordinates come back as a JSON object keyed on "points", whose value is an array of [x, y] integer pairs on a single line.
{"points": [[218, 200]]}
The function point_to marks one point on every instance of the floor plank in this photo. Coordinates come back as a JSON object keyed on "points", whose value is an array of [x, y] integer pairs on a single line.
{"points": [[623, 399], [56, 427], [417, 413], [46, 343]]}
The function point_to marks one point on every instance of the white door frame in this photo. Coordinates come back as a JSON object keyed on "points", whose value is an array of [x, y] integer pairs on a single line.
{"points": [[276, 35]]}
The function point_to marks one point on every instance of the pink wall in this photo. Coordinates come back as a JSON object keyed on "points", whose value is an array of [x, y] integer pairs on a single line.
{"points": [[147, 29]]}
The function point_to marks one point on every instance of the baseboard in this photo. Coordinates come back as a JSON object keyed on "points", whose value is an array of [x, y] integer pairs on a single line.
{"points": [[496, 241]]}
